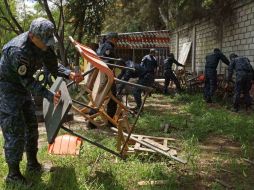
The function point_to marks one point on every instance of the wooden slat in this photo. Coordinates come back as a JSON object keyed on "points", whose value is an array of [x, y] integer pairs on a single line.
{"points": [[138, 145], [151, 137], [150, 141]]}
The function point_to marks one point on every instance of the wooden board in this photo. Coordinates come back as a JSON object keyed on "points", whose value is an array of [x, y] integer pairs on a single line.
{"points": [[184, 53], [152, 142], [159, 142], [54, 115]]}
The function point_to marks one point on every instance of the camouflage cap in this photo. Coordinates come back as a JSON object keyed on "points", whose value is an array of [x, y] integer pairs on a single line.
{"points": [[44, 29], [232, 56]]}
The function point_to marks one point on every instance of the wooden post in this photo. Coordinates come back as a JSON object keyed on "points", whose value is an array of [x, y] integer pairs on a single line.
{"points": [[193, 59], [177, 45]]}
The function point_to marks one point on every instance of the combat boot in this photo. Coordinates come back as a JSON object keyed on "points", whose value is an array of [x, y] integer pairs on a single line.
{"points": [[32, 163], [15, 177]]}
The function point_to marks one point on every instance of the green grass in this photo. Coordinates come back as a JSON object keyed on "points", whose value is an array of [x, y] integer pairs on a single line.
{"points": [[192, 121]]}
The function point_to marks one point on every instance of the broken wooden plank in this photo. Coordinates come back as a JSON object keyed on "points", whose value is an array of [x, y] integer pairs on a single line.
{"points": [[172, 152], [144, 149], [158, 138], [157, 149], [137, 145], [153, 182], [150, 141], [165, 142]]}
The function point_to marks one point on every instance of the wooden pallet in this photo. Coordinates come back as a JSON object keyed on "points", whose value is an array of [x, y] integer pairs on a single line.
{"points": [[160, 142]]}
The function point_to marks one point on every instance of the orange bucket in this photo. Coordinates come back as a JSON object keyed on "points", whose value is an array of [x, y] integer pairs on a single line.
{"points": [[65, 145]]}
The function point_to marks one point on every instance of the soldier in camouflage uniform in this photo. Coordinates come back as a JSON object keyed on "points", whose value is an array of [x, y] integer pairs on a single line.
{"points": [[169, 74], [244, 75], [21, 58], [212, 61], [127, 74], [146, 78]]}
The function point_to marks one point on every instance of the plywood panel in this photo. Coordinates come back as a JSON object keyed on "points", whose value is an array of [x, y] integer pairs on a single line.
{"points": [[54, 115]]}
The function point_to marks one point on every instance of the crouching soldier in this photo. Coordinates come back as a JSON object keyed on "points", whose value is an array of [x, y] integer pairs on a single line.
{"points": [[127, 74], [244, 75], [147, 77]]}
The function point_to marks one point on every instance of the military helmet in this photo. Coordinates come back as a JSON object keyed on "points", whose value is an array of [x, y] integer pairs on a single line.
{"points": [[44, 29], [232, 56]]}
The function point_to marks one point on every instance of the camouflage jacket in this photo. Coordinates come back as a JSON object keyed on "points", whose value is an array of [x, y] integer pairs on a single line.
{"points": [[213, 59], [168, 63], [20, 60], [242, 67], [149, 64]]}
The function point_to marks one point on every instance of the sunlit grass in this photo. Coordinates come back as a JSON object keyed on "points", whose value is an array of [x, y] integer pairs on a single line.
{"points": [[191, 121]]}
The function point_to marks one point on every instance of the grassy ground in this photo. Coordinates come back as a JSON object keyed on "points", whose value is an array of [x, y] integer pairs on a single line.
{"points": [[214, 140]]}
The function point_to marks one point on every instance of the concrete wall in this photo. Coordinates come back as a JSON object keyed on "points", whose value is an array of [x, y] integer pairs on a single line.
{"points": [[237, 35]]}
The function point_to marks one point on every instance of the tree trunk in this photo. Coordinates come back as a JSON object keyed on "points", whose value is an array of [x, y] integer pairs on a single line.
{"points": [[20, 29], [60, 37]]}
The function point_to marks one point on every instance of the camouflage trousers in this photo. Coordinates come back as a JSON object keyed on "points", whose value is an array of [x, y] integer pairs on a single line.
{"points": [[170, 75], [19, 125], [210, 83], [242, 86], [147, 80]]}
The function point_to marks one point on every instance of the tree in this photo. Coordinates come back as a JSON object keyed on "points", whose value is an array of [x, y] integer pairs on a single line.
{"points": [[11, 22], [8, 27], [86, 18], [131, 15], [76, 18], [163, 14], [70, 17]]}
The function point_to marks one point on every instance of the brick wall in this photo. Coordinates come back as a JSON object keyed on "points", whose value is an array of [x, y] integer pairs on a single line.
{"points": [[237, 35]]}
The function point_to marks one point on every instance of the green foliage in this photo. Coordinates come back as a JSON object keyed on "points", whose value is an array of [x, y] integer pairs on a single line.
{"points": [[129, 16], [5, 29], [163, 14], [8, 27], [87, 16]]}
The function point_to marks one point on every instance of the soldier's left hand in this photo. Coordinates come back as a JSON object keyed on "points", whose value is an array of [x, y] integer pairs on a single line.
{"points": [[76, 77], [57, 97]]}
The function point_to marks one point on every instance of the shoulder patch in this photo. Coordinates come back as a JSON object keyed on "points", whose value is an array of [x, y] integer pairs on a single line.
{"points": [[107, 52], [22, 70]]}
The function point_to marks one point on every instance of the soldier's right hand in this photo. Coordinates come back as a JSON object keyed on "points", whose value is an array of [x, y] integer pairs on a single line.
{"points": [[57, 97]]}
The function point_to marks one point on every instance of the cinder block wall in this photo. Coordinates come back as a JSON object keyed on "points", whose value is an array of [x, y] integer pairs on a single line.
{"points": [[236, 35]]}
